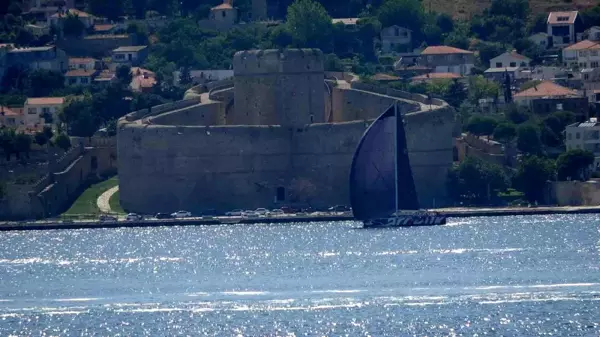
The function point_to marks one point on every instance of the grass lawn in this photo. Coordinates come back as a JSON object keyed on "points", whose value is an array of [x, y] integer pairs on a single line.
{"points": [[86, 204], [115, 206]]}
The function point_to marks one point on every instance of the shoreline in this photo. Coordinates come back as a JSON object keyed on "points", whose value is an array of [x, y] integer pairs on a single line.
{"points": [[449, 212]]}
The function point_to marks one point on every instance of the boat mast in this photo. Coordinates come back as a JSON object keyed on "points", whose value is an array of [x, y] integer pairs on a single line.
{"points": [[396, 156]]}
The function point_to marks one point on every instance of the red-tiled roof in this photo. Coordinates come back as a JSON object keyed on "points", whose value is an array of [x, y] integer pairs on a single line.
{"points": [[45, 100], [140, 71], [225, 5], [585, 44], [437, 50], [72, 11], [81, 60], [144, 82], [562, 17], [518, 56], [547, 89], [8, 111], [436, 76], [80, 73], [103, 27]]}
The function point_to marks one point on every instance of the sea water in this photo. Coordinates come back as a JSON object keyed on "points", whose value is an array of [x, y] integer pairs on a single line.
{"points": [[529, 275]]}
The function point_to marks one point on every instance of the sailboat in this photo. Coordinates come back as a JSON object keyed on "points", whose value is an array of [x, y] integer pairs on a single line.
{"points": [[382, 187]]}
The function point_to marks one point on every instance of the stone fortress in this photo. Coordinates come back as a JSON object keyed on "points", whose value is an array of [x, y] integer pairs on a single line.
{"points": [[279, 133]]}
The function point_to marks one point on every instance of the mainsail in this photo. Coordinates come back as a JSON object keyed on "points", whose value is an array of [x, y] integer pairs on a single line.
{"points": [[377, 162]]}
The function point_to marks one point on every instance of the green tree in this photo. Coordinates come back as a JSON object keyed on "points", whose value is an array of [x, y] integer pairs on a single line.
{"points": [[516, 114], [574, 164], [528, 139], [22, 144], [444, 22], [489, 50], [62, 141], [185, 76], [124, 75], [481, 125], [505, 132], [42, 82], [405, 13], [532, 175], [111, 9], [480, 87], [456, 94], [309, 24], [7, 142], [458, 40], [48, 132], [537, 24], [40, 138], [72, 26], [79, 118], [476, 181]]}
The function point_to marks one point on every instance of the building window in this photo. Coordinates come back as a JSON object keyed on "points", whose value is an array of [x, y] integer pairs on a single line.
{"points": [[577, 135], [46, 110], [594, 64], [586, 76], [498, 64], [32, 111], [396, 31], [562, 18], [582, 53], [224, 14], [513, 64], [569, 136], [72, 80], [85, 80], [559, 107], [594, 52]]}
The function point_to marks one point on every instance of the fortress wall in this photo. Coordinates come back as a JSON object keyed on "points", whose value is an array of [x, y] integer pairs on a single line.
{"points": [[212, 113], [165, 168], [351, 105]]}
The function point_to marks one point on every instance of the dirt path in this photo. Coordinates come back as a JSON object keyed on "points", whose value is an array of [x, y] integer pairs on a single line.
{"points": [[104, 198]]}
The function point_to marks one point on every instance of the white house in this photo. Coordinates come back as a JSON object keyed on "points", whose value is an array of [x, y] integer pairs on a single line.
{"points": [[510, 59], [445, 59], [582, 55], [36, 107], [593, 33], [543, 90], [11, 117], [85, 63], [396, 38], [224, 15], [540, 39], [80, 77], [585, 136], [563, 27], [131, 55]]}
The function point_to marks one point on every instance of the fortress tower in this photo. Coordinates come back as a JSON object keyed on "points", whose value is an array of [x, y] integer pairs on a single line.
{"points": [[278, 87]]}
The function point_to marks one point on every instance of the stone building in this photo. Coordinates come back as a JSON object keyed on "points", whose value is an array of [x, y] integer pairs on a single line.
{"points": [[278, 134]]}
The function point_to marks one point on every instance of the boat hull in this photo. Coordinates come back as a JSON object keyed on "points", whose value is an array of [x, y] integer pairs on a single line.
{"points": [[406, 221]]}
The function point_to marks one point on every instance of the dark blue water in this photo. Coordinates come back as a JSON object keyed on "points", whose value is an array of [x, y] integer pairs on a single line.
{"points": [[488, 276]]}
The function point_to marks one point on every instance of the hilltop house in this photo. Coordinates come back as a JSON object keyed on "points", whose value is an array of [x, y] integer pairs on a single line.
{"points": [[38, 108], [541, 39], [510, 59], [585, 136], [547, 97], [396, 39], [85, 63], [143, 80], [130, 55], [81, 77], [85, 18], [444, 59], [47, 57], [224, 15], [563, 28], [11, 117], [582, 55]]}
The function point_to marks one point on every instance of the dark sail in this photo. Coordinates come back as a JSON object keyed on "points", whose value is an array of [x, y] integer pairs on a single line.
{"points": [[372, 180]]}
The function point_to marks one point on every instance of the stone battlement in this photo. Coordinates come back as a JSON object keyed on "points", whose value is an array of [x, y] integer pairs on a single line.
{"points": [[273, 61]]}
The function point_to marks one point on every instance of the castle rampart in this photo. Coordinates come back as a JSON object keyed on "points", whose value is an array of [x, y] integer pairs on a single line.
{"points": [[196, 158]]}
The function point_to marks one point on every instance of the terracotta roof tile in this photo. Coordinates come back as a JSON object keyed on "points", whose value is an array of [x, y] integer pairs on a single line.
{"points": [[585, 44], [6, 111], [80, 73], [72, 11], [103, 27], [225, 5], [562, 17], [547, 89], [45, 100], [436, 76], [81, 60], [436, 50], [519, 56]]}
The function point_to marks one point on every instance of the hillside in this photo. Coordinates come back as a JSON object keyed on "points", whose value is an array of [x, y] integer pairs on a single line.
{"points": [[464, 9]]}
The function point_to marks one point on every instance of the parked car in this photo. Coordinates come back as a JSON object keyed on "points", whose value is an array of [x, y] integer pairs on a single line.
{"points": [[181, 214], [133, 217], [163, 216], [339, 208], [276, 212], [288, 210], [105, 217], [250, 214], [261, 211], [235, 212]]}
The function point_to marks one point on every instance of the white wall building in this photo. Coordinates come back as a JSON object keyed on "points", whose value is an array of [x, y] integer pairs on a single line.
{"points": [[510, 59], [582, 55], [396, 38], [540, 39], [224, 15], [562, 27], [585, 136], [85, 63], [36, 107]]}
